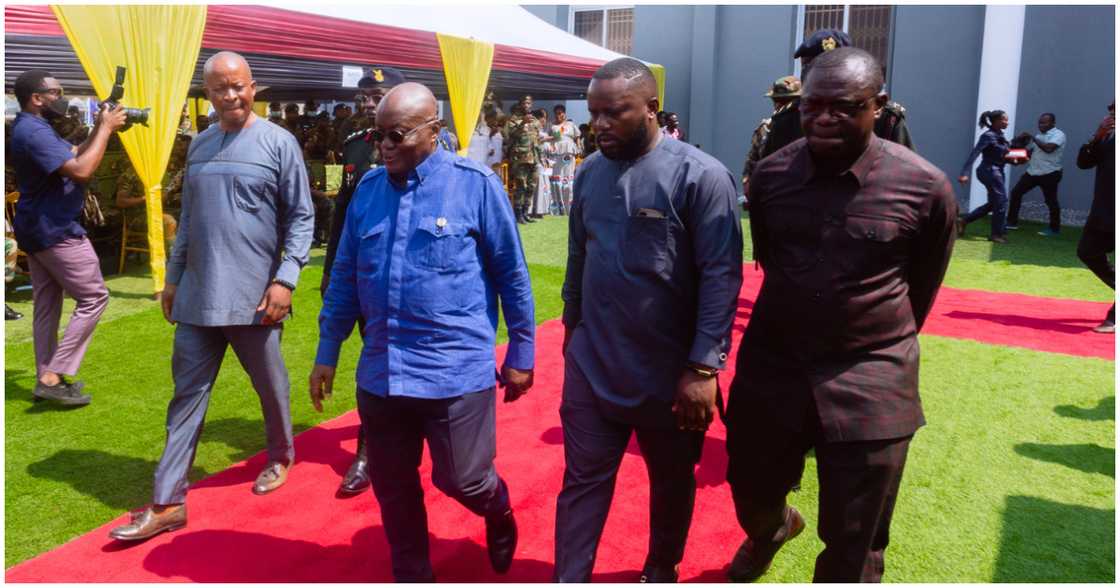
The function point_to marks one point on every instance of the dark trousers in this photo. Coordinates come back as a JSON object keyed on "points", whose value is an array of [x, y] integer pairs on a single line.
{"points": [[462, 444], [859, 483], [994, 182], [1093, 250], [324, 210], [1049, 185], [593, 448]]}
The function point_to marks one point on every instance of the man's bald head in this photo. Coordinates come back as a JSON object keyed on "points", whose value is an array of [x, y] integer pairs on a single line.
{"points": [[406, 127], [408, 103], [856, 64], [226, 62], [230, 88]]}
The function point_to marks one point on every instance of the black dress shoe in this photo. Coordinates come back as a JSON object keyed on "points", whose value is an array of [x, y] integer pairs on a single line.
{"points": [[10, 314], [356, 480], [654, 573], [754, 558], [501, 541]]}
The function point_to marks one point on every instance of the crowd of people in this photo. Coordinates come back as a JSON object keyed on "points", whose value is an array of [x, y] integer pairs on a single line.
{"points": [[424, 249]]}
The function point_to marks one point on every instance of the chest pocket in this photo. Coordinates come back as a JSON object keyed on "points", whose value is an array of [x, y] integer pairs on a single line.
{"points": [[251, 193], [371, 249], [646, 250], [870, 244], [436, 244]]}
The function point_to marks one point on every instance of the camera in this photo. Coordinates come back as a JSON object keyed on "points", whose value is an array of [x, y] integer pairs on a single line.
{"points": [[131, 115]]}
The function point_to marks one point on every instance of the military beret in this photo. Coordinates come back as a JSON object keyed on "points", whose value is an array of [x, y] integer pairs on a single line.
{"points": [[378, 76], [821, 41], [788, 86]]}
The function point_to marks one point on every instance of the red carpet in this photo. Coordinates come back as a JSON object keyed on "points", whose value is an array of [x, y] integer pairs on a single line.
{"points": [[302, 533], [1056, 325]]}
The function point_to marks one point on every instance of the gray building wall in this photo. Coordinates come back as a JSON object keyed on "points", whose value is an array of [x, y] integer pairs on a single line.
{"points": [[1068, 69], [938, 85], [720, 59]]}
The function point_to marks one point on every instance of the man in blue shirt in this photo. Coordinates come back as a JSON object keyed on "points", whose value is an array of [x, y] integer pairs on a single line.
{"points": [[52, 174], [655, 264], [429, 245]]}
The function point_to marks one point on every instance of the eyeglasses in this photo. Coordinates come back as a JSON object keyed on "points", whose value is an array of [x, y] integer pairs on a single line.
{"points": [[837, 109], [396, 136], [52, 91]]}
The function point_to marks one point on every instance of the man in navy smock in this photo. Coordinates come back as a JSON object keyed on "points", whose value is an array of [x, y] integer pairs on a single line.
{"points": [[429, 246], [244, 235]]}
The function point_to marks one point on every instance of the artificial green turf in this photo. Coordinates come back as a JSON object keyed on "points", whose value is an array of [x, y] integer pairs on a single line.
{"points": [[1013, 479]]}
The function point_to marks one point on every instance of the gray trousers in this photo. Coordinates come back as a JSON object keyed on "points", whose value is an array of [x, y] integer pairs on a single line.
{"points": [[462, 443], [70, 267], [195, 362], [594, 444]]}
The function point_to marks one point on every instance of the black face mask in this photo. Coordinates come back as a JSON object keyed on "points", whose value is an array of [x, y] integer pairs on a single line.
{"points": [[56, 109]]}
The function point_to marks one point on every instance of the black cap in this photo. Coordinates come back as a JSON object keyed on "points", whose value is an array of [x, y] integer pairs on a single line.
{"points": [[821, 41], [381, 77]]}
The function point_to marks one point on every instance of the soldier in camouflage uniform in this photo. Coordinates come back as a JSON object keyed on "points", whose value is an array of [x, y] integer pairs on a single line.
{"points": [[784, 94], [131, 204], [785, 128], [524, 154], [70, 127]]}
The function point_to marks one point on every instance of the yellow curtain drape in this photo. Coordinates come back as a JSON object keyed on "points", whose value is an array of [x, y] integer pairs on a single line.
{"points": [[659, 73], [198, 107], [466, 65], [159, 45]]}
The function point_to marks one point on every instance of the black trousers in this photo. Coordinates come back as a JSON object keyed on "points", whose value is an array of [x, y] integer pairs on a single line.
{"points": [[462, 443], [1049, 184], [1093, 249], [859, 482], [594, 445]]}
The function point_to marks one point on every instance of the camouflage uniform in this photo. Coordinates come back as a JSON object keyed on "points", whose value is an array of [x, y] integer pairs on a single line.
{"points": [[71, 128], [524, 155], [788, 86]]}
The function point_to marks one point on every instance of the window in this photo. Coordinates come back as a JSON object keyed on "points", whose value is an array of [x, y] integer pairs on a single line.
{"points": [[869, 26], [610, 27]]}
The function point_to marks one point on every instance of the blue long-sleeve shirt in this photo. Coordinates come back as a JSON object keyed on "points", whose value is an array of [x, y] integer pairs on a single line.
{"points": [[424, 265], [993, 146]]}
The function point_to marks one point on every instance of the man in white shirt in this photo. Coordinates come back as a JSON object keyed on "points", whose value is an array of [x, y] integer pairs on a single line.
{"points": [[494, 160], [479, 149], [1044, 170]]}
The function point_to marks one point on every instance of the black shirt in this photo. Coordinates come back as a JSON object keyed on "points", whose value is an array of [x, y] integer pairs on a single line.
{"points": [[852, 265]]}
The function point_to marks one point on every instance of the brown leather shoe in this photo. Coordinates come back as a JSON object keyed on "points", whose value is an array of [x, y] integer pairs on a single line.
{"points": [[753, 559], [271, 477], [147, 523]]}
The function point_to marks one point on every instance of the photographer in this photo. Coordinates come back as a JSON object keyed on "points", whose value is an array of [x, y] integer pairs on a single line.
{"points": [[52, 175]]}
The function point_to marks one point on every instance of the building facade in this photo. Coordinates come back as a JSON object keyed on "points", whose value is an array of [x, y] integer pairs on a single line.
{"points": [[720, 60]]}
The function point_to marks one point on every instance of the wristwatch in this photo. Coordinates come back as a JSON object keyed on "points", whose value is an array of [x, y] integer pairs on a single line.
{"points": [[287, 285], [703, 370]]}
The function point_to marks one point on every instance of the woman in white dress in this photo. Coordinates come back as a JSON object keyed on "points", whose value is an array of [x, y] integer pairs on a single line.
{"points": [[544, 169], [565, 149]]}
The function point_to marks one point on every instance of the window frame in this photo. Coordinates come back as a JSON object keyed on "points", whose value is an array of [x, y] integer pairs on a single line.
{"points": [[602, 10], [799, 37]]}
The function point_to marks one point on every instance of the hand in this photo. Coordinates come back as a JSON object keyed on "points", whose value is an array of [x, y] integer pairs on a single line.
{"points": [[1107, 125], [963, 180], [276, 304], [167, 300], [321, 382], [112, 119], [695, 404], [516, 383]]}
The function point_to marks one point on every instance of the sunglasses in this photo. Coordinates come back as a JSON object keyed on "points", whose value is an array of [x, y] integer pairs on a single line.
{"points": [[398, 137], [838, 109], [52, 91]]}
